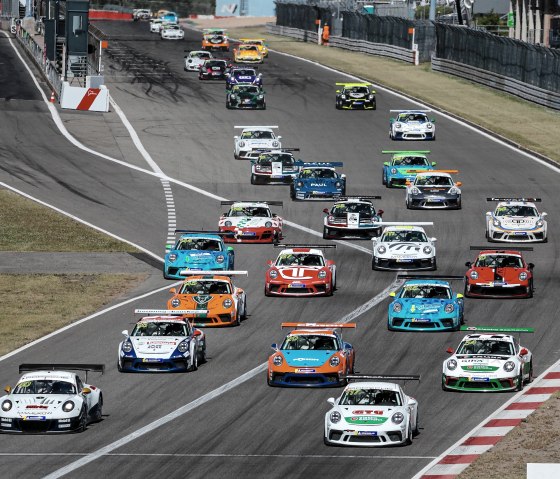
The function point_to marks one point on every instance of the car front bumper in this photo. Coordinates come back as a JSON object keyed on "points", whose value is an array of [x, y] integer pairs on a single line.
{"points": [[363, 436]]}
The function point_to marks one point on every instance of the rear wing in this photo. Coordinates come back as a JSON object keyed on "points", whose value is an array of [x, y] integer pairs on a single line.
{"points": [[411, 111], [194, 272], [534, 200], [218, 233], [427, 277], [281, 245], [270, 203], [383, 377], [357, 197], [407, 223], [496, 329], [405, 152], [452, 172], [264, 150], [167, 312], [353, 84], [97, 368], [319, 325], [256, 126], [501, 250], [312, 164]]}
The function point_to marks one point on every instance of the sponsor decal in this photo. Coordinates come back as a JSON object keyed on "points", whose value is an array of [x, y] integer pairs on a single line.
{"points": [[34, 418], [202, 299], [480, 368], [371, 420], [305, 359], [305, 370], [399, 246]]}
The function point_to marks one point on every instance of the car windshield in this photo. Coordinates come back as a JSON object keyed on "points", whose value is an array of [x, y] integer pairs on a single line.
{"points": [[498, 261], [257, 135], [266, 160], [404, 236], [254, 42], [248, 48], [205, 286], [319, 173], [357, 89], [203, 244], [45, 386], [341, 209], [244, 73], [406, 117], [486, 346], [201, 55], [215, 63], [370, 397], [214, 38], [160, 328], [410, 161], [518, 210], [299, 259], [254, 90], [255, 211], [433, 180], [309, 342], [426, 291]]}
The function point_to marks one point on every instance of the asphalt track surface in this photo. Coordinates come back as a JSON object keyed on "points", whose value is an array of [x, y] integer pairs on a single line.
{"points": [[252, 430]]}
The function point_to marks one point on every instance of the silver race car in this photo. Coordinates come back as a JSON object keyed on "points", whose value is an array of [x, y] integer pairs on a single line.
{"points": [[516, 220]]}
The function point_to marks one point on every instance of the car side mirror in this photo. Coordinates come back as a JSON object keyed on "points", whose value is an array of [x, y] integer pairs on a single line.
{"points": [[338, 91], [197, 332], [343, 176], [329, 262], [459, 183], [173, 290], [269, 262], [488, 213], [331, 401], [86, 391], [229, 248], [530, 265], [8, 389], [450, 350], [259, 75], [347, 346], [279, 137], [392, 294], [386, 163], [236, 137], [459, 296], [125, 333], [274, 346], [433, 240], [274, 215], [433, 120], [326, 211], [380, 212], [468, 264], [523, 352], [434, 163], [544, 214]]}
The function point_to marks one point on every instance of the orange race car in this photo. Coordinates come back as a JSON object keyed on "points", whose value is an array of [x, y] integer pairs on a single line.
{"points": [[312, 355], [218, 300], [215, 39]]}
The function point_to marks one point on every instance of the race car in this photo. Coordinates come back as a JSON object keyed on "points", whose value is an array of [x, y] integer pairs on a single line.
{"points": [[516, 220], [254, 138], [216, 301], [156, 25], [213, 69], [243, 75], [352, 216], [172, 32], [355, 95], [141, 14], [215, 39], [198, 250], [246, 96], [195, 59], [403, 167], [412, 125], [312, 355], [300, 270], [50, 399], [318, 181], [251, 222], [404, 246], [274, 166], [434, 189], [170, 17], [372, 412], [499, 274], [247, 54], [165, 341], [259, 42], [487, 360], [426, 303]]}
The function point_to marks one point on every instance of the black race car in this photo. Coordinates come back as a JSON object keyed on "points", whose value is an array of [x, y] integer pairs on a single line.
{"points": [[213, 69], [355, 96]]}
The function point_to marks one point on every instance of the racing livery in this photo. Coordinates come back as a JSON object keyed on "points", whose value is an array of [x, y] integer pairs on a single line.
{"points": [[49, 399], [403, 167], [242, 75], [213, 69], [254, 138], [412, 125], [215, 39], [516, 220], [251, 222], [354, 96], [312, 355], [318, 181], [426, 303], [210, 300], [172, 32], [246, 96], [352, 216], [259, 42], [300, 270], [499, 274], [488, 360], [434, 189], [274, 166], [195, 59], [162, 342], [247, 54], [372, 412]]}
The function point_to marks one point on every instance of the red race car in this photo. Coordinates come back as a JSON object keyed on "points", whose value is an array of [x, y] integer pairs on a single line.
{"points": [[301, 270], [499, 273]]}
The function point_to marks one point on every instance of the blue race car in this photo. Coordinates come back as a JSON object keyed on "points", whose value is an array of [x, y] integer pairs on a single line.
{"points": [[198, 250], [403, 167], [426, 303], [318, 181], [243, 75]]}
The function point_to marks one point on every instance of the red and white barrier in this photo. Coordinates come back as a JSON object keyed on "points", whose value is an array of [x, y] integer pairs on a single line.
{"points": [[86, 99], [109, 15]]}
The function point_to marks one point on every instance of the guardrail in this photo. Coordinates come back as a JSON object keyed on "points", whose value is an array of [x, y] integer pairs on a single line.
{"points": [[499, 82]]}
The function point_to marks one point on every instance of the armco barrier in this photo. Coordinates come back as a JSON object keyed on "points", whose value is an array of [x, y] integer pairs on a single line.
{"points": [[499, 82], [109, 15]]}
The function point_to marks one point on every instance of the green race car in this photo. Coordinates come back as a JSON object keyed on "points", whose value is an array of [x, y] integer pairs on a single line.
{"points": [[403, 167], [246, 96]]}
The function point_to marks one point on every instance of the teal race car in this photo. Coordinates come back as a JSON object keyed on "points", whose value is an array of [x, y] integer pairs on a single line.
{"points": [[403, 167], [245, 96]]}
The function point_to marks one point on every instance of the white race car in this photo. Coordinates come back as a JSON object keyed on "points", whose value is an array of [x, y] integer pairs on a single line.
{"points": [[516, 220], [195, 59], [255, 137], [172, 32], [412, 125], [488, 360], [404, 247], [163, 342], [48, 399], [251, 222], [156, 25], [372, 413], [353, 216]]}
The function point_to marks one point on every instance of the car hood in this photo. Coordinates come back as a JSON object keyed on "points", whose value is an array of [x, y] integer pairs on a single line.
{"points": [[41, 404], [307, 359], [248, 222], [501, 274], [434, 189], [318, 184], [424, 306], [481, 363], [160, 347], [194, 258], [299, 273], [202, 301], [404, 170], [368, 415], [255, 142], [518, 222], [243, 79], [404, 249]]}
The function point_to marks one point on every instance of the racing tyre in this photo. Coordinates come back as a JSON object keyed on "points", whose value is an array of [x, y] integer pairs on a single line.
{"points": [[228, 106], [434, 265], [416, 429], [443, 386], [237, 320], [202, 355], [407, 204], [244, 314], [519, 382], [119, 369], [326, 233], [254, 179], [408, 440], [384, 180], [338, 107], [530, 292], [97, 414], [530, 378], [292, 193], [459, 206], [83, 420], [194, 365]]}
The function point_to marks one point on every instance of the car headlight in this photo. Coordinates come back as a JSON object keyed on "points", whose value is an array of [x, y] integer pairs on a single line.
{"points": [[397, 418], [241, 143], [260, 97], [381, 250], [275, 144], [474, 275], [523, 276], [338, 184], [335, 417], [449, 308], [268, 224], [330, 219], [299, 184], [429, 126], [228, 223], [496, 222], [273, 274], [509, 366], [172, 257], [68, 406], [175, 302], [220, 259], [393, 171], [427, 249], [540, 223], [453, 190], [322, 274], [227, 303], [398, 126], [415, 191], [183, 346], [451, 364], [397, 307], [6, 405], [343, 97], [370, 97], [127, 347], [335, 361], [233, 96], [277, 360]]}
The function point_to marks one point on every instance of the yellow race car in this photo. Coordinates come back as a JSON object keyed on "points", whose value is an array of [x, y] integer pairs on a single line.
{"points": [[245, 53], [259, 42]]}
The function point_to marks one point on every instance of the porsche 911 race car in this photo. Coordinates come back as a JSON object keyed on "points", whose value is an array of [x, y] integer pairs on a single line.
{"points": [[141, 14], [426, 303], [404, 246], [49, 399], [254, 138], [247, 54], [372, 412], [516, 220], [165, 341], [156, 25], [198, 250], [215, 39], [318, 181], [488, 360], [434, 189], [312, 355], [259, 42], [353, 96], [243, 75], [412, 125], [195, 59], [499, 274], [170, 17], [213, 69], [352, 216], [251, 222], [246, 96], [172, 32], [300, 270], [214, 297], [274, 166], [403, 167]]}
